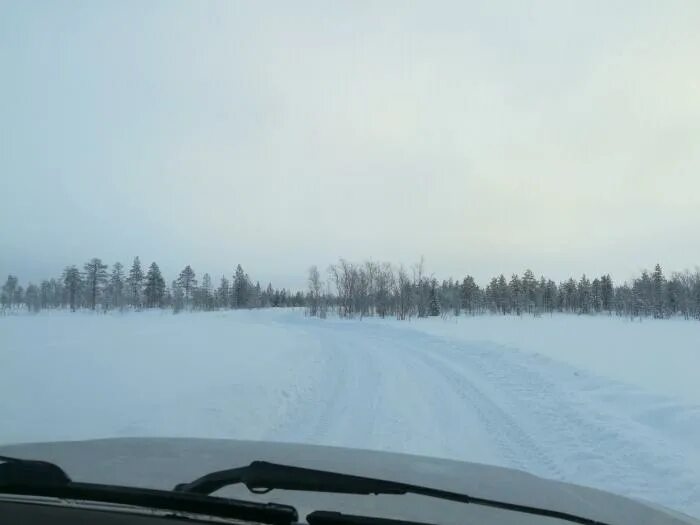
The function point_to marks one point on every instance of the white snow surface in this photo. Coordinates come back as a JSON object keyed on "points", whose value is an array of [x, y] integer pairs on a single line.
{"points": [[597, 401]]}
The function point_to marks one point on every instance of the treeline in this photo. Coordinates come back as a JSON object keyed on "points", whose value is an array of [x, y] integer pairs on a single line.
{"points": [[360, 290], [381, 289], [97, 287]]}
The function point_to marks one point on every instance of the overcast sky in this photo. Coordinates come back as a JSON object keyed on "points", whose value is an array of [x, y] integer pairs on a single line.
{"points": [[487, 136]]}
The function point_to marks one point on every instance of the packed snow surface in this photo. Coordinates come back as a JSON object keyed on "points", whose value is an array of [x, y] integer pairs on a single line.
{"points": [[597, 401]]}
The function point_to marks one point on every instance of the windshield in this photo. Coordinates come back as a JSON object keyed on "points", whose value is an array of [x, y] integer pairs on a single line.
{"points": [[459, 230]]}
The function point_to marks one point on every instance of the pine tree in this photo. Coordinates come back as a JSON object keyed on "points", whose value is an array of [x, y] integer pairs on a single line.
{"points": [[569, 295], [178, 297], [58, 290], [254, 296], [503, 294], [529, 290], [95, 278], [515, 289], [116, 286], [674, 295], [596, 295], [695, 294], [51, 293], [607, 292], [8, 291], [540, 287], [205, 293], [32, 298], [659, 292], [45, 298], [188, 283], [550, 296], [223, 293], [469, 291], [73, 285], [491, 295], [268, 295], [18, 297], [135, 283], [434, 304], [584, 295], [643, 295], [154, 289], [240, 287]]}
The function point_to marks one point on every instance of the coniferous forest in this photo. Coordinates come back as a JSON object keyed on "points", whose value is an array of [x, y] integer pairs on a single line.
{"points": [[350, 289]]}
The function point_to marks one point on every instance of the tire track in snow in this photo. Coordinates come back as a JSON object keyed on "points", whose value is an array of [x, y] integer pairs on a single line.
{"points": [[604, 450], [539, 416], [370, 394], [519, 449], [338, 401], [349, 391]]}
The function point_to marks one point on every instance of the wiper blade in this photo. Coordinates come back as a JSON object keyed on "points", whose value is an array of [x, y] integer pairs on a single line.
{"points": [[324, 517], [41, 478], [16, 471], [261, 477]]}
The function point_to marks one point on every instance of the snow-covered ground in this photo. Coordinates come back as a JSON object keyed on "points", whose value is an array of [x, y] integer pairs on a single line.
{"points": [[603, 402]]}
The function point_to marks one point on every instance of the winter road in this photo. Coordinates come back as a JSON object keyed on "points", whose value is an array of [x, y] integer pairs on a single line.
{"points": [[370, 384]]}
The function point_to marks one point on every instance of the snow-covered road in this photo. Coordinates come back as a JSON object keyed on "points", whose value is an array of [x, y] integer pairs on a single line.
{"points": [[382, 385], [415, 392]]}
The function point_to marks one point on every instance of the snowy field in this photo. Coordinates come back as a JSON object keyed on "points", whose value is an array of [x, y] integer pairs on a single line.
{"points": [[601, 401]]}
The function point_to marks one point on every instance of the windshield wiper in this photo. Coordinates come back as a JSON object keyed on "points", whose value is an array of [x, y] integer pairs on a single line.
{"points": [[16, 471], [41, 478], [324, 517], [261, 477]]}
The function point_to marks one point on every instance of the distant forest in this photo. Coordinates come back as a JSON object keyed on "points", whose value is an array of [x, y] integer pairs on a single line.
{"points": [[97, 287], [359, 290], [382, 289]]}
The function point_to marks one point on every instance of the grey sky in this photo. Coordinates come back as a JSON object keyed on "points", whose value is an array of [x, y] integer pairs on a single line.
{"points": [[489, 137]]}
